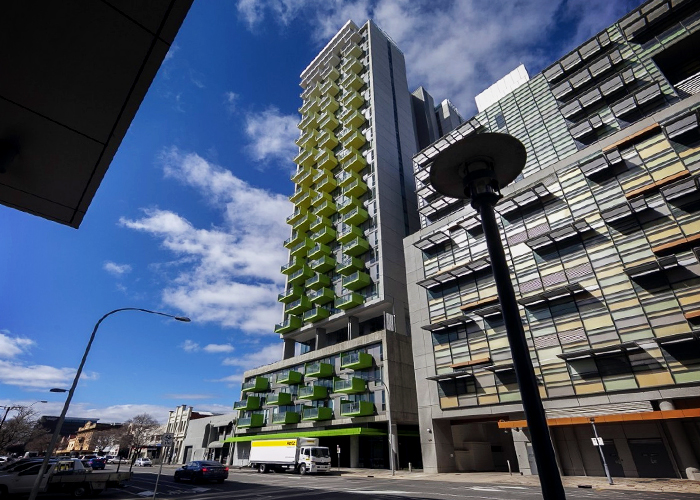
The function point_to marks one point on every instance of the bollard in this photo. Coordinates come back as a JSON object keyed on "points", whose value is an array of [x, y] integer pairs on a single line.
{"points": [[409, 467], [510, 471]]}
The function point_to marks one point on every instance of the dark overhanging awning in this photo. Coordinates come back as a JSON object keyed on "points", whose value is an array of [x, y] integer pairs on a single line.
{"points": [[455, 272], [523, 198], [599, 351], [655, 266], [450, 376], [448, 323], [558, 235], [541, 298], [431, 240]]}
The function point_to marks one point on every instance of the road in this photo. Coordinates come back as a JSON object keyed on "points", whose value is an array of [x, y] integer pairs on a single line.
{"points": [[253, 486]]}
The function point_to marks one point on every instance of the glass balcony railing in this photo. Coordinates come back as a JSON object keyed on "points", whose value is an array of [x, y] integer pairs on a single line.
{"points": [[290, 324], [357, 409], [256, 384], [312, 392], [290, 294], [298, 306], [323, 264], [255, 420], [316, 314], [321, 296], [248, 404], [348, 301], [320, 413], [349, 265], [287, 417], [356, 360], [279, 399], [289, 377], [356, 247], [356, 216], [352, 385], [318, 369], [356, 280], [318, 281]]}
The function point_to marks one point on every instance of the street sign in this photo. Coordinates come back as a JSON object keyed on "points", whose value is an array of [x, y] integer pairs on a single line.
{"points": [[597, 441], [338, 449], [167, 439]]}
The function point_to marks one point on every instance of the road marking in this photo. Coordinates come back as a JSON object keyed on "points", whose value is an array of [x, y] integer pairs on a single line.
{"points": [[382, 492], [481, 488], [514, 487]]}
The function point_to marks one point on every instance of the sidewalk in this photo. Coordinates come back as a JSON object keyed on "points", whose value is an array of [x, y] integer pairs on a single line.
{"points": [[503, 478]]}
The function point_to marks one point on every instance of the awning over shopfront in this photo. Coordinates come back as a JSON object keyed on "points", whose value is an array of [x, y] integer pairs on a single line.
{"points": [[606, 419], [348, 431], [216, 444]]}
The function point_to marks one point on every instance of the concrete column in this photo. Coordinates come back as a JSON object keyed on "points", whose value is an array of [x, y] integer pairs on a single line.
{"points": [[321, 339], [437, 446], [289, 346], [681, 444], [354, 451], [353, 327], [523, 451]]}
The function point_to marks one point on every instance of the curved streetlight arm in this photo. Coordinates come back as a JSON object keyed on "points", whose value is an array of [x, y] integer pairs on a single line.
{"points": [[59, 424]]}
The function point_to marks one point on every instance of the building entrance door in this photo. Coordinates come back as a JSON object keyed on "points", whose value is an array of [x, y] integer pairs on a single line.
{"points": [[612, 458], [651, 458]]}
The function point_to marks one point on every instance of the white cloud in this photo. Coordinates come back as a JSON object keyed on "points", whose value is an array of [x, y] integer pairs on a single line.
{"points": [[217, 348], [171, 52], [231, 101], [12, 346], [268, 354], [456, 49], [190, 346], [227, 274], [116, 269], [272, 136], [39, 376]]}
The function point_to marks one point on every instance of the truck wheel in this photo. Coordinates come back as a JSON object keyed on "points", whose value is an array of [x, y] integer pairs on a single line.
{"points": [[302, 469], [3, 492], [80, 491], [262, 468]]}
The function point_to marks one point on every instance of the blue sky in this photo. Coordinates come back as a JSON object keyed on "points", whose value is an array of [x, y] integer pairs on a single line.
{"points": [[190, 217]]}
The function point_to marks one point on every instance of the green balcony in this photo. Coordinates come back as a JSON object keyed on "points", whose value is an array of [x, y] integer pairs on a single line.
{"points": [[290, 324], [306, 140], [352, 98], [348, 301], [347, 178], [329, 104], [352, 385], [319, 222], [289, 377], [356, 216], [305, 158], [357, 409], [355, 140], [302, 225], [279, 399], [321, 296], [356, 360], [301, 249], [248, 404], [320, 413], [314, 92], [326, 184], [351, 65], [294, 239], [255, 420], [347, 233], [348, 203], [354, 163], [312, 392], [326, 208], [327, 140], [319, 250], [356, 280], [349, 265], [300, 276], [256, 384], [316, 314], [318, 369], [352, 50], [324, 235], [353, 82], [304, 177], [323, 264], [327, 161], [329, 74], [299, 193], [293, 265], [309, 107], [286, 417], [319, 198], [309, 122], [290, 294], [355, 247], [298, 306], [328, 122], [318, 281], [356, 188], [353, 119], [298, 214], [330, 87]]}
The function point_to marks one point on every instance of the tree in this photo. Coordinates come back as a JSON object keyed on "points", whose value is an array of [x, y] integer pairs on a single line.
{"points": [[138, 432], [18, 430], [106, 438]]}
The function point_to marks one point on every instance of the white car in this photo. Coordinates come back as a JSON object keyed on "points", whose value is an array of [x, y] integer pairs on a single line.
{"points": [[143, 462], [118, 460]]}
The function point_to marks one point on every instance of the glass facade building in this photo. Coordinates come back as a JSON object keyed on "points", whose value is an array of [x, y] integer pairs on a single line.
{"points": [[602, 234]]}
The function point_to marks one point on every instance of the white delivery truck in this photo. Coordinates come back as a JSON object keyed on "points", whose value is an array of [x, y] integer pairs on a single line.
{"points": [[299, 454]]}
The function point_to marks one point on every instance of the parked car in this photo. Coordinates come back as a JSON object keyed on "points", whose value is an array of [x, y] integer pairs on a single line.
{"points": [[143, 462], [117, 460], [200, 471], [96, 463]]}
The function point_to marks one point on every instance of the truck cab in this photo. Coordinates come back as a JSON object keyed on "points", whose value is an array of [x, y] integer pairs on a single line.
{"points": [[314, 459]]}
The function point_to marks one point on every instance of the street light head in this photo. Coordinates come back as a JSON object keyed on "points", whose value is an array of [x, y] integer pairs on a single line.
{"points": [[56, 389], [184, 319], [42, 401], [498, 157]]}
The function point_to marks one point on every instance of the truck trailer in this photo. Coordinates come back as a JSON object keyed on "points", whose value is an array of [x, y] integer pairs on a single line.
{"points": [[301, 455]]}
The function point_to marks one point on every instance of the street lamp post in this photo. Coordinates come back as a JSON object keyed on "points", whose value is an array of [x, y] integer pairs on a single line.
{"points": [[391, 428], [59, 424], [477, 167], [8, 409]]}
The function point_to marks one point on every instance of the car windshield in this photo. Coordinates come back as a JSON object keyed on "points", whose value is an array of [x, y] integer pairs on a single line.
{"points": [[210, 463], [319, 452]]}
